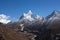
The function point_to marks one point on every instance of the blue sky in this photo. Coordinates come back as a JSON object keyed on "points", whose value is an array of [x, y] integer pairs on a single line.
{"points": [[15, 8]]}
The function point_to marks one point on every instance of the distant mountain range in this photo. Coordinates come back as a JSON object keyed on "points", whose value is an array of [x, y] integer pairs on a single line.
{"points": [[33, 26], [29, 18]]}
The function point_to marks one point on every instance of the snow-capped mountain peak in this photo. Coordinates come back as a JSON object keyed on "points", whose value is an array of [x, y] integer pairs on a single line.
{"points": [[28, 16], [31, 17], [30, 12], [54, 16], [38, 17], [57, 13]]}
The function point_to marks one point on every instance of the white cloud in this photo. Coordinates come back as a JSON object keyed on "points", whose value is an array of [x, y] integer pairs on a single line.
{"points": [[4, 19]]}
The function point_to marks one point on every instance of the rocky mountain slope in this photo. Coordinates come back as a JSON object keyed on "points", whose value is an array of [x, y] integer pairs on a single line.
{"points": [[7, 33]]}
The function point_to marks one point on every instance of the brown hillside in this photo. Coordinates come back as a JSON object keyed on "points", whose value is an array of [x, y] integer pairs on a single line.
{"points": [[12, 34]]}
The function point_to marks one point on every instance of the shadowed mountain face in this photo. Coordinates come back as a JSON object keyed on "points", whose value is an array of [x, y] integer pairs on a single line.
{"points": [[30, 27], [53, 25], [53, 22]]}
